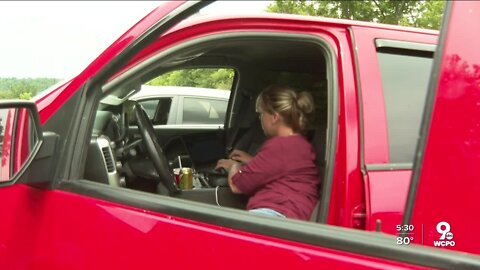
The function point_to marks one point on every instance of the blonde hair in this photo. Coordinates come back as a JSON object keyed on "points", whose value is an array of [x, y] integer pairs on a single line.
{"points": [[294, 108]]}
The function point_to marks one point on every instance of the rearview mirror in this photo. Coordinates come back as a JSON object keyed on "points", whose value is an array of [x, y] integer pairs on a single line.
{"points": [[20, 138]]}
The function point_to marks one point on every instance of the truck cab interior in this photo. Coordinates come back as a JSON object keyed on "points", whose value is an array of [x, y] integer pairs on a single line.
{"points": [[126, 151]]}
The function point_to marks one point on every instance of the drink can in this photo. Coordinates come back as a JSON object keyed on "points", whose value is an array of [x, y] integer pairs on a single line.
{"points": [[176, 173], [186, 178]]}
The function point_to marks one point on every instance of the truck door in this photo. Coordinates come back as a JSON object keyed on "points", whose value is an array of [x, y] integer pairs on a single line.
{"points": [[393, 71], [444, 195]]}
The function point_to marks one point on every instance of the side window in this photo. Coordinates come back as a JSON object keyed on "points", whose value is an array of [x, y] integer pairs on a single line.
{"points": [[204, 111], [205, 92], [405, 75], [150, 107], [158, 110]]}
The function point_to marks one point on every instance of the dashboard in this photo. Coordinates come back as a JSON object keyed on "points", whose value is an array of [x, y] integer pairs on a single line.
{"points": [[117, 157]]}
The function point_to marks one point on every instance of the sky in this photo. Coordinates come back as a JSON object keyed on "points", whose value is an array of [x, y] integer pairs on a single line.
{"points": [[58, 39]]}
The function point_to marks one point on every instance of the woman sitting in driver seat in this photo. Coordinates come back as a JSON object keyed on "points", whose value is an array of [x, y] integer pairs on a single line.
{"points": [[281, 179]]}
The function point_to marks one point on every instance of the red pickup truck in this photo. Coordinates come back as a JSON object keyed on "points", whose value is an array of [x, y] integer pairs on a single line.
{"points": [[87, 179]]}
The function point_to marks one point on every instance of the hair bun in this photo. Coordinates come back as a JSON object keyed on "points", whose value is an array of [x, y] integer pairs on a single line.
{"points": [[294, 107], [305, 102]]}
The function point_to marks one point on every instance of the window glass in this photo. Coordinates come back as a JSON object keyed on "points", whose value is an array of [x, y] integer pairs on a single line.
{"points": [[158, 110], [405, 81], [206, 92], [150, 106], [204, 111]]}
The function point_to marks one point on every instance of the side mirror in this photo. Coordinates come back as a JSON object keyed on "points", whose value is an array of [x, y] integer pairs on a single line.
{"points": [[20, 138]]}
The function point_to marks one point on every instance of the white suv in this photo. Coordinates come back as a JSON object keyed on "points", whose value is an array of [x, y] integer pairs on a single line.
{"points": [[184, 107]]}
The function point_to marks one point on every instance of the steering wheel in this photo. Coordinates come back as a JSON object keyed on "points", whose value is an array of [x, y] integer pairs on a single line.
{"points": [[154, 150]]}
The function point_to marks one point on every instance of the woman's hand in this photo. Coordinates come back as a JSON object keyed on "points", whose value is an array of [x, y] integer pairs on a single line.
{"points": [[240, 156], [225, 164], [232, 167]]}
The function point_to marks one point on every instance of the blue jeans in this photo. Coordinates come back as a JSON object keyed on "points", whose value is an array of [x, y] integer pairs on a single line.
{"points": [[267, 212]]}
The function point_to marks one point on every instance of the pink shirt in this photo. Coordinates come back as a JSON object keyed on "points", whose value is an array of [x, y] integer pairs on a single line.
{"points": [[282, 176]]}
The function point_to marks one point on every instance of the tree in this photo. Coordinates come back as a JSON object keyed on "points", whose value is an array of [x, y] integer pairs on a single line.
{"points": [[218, 78], [13, 88], [431, 15], [425, 14]]}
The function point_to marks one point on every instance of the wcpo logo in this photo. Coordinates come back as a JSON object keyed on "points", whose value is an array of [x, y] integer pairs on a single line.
{"points": [[446, 236]]}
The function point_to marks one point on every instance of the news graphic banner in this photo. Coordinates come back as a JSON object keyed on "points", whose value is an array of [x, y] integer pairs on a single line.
{"points": [[407, 234]]}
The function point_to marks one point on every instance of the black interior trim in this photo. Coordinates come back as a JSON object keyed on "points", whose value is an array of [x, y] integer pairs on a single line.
{"points": [[338, 238], [404, 52], [47, 157], [62, 122]]}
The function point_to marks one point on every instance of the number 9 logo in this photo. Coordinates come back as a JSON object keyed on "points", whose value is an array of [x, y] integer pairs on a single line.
{"points": [[445, 231]]}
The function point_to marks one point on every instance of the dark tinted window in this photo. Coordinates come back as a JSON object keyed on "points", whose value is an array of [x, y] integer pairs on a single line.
{"points": [[204, 111], [157, 110], [150, 106], [405, 77]]}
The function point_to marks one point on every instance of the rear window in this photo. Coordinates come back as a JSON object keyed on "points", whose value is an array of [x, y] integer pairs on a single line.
{"points": [[405, 75], [204, 111]]}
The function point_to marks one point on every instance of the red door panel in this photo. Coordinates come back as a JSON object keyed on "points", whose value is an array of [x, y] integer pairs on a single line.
{"points": [[61, 230], [386, 196], [446, 185]]}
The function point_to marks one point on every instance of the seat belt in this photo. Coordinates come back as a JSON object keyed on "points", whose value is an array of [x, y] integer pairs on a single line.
{"points": [[231, 140], [232, 136]]}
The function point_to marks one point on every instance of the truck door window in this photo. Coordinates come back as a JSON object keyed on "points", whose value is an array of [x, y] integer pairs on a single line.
{"points": [[405, 75]]}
